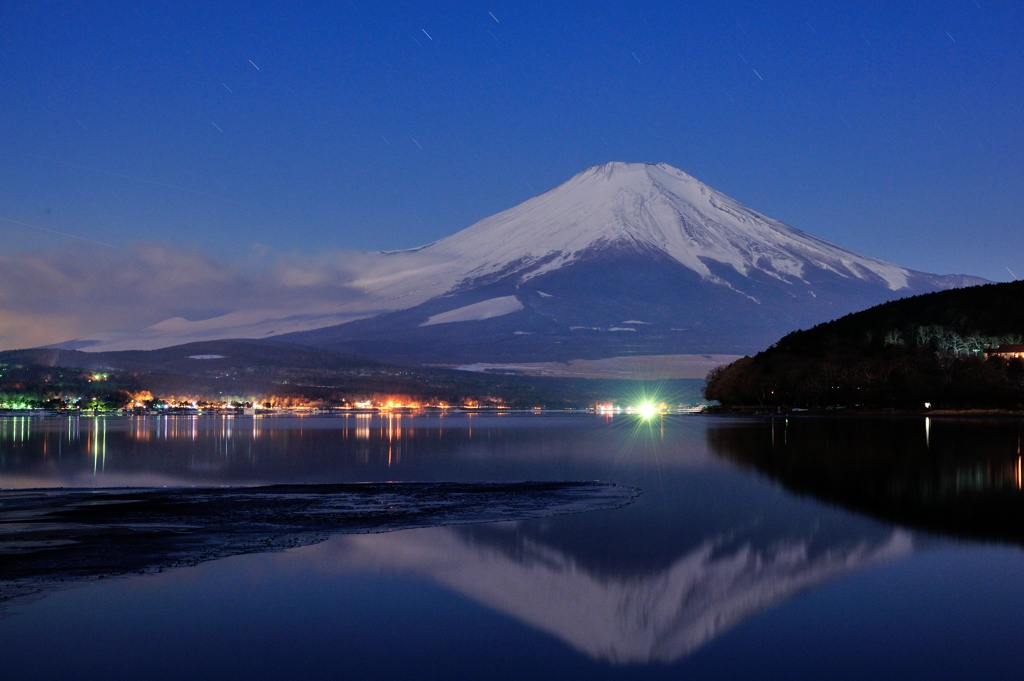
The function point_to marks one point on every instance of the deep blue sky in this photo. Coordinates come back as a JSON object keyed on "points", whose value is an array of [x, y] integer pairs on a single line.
{"points": [[890, 129]]}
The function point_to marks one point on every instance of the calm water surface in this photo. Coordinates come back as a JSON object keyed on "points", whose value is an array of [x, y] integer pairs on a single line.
{"points": [[813, 548]]}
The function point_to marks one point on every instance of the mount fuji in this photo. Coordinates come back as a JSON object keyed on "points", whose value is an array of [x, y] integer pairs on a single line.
{"points": [[622, 259]]}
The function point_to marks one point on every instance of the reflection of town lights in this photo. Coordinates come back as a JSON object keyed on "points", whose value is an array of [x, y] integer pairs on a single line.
{"points": [[647, 410]]}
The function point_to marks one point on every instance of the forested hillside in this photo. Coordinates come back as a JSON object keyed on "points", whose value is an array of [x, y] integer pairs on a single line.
{"points": [[935, 348]]}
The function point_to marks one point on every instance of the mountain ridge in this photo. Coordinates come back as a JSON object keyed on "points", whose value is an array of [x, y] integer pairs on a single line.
{"points": [[551, 278], [935, 348], [649, 206]]}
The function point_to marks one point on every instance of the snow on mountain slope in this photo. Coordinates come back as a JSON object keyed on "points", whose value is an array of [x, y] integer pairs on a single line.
{"points": [[638, 206], [485, 309], [239, 324], [669, 235]]}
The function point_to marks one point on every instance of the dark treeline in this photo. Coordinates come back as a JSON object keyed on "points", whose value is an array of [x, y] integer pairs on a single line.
{"points": [[934, 348], [42, 387]]}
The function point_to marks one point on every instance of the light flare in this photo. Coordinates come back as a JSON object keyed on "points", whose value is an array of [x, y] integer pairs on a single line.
{"points": [[647, 410]]}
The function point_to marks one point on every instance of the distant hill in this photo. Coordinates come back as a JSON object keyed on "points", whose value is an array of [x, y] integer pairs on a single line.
{"points": [[199, 358], [931, 348], [281, 373]]}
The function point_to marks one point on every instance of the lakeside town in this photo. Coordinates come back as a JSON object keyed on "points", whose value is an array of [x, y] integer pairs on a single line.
{"points": [[33, 389]]}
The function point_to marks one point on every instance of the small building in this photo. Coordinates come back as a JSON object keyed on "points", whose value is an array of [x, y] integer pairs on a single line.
{"points": [[1007, 352]]}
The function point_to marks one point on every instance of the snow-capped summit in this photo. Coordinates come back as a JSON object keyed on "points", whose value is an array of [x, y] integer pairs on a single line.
{"points": [[646, 208], [623, 258]]}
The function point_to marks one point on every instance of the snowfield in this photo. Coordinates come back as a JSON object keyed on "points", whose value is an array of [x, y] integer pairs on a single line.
{"points": [[486, 309], [643, 207]]}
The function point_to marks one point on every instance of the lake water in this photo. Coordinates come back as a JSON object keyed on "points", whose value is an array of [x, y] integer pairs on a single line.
{"points": [[760, 548]]}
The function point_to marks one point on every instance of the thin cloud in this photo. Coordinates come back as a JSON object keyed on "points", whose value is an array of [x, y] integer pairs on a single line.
{"points": [[95, 293]]}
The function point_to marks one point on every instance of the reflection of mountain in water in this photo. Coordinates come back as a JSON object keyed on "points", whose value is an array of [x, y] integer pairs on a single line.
{"points": [[51, 538], [658, 611], [953, 476]]}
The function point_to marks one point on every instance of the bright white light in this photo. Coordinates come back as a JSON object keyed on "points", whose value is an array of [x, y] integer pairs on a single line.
{"points": [[647, 410]]}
